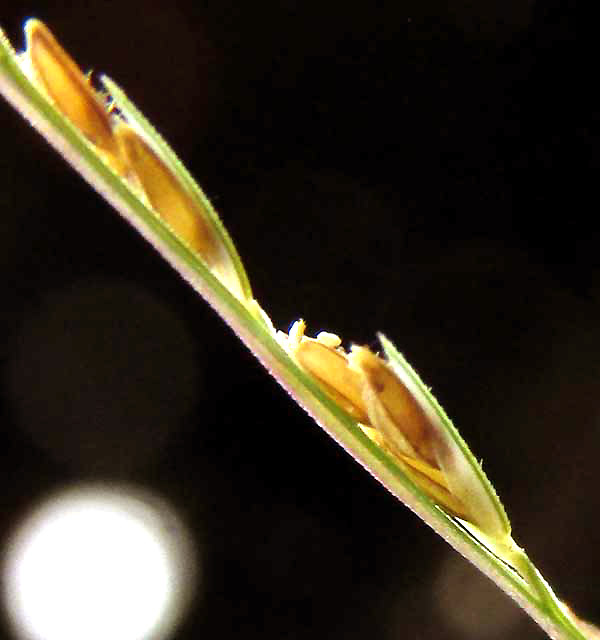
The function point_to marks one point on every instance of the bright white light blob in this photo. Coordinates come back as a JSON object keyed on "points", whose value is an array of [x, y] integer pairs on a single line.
{"points": [[99, 563]]}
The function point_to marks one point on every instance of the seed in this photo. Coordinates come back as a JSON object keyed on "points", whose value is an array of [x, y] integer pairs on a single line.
{"points": [[70, 90], [406, 421], [331, 368], [167, 196]]}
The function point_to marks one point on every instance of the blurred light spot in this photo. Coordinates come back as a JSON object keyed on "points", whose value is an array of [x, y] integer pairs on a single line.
{"points": [[472, 604], [102, 374], [98, 563]]}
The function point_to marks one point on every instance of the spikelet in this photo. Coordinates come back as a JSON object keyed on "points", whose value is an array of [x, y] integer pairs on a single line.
{"points": [[128, 153], [394, 414]]}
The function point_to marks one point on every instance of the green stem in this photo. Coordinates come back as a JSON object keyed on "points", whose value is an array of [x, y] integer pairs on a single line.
{"points": [[554, 608]]}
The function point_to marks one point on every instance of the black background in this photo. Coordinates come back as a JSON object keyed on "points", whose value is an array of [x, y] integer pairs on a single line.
{"points": [[422, 168]]}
